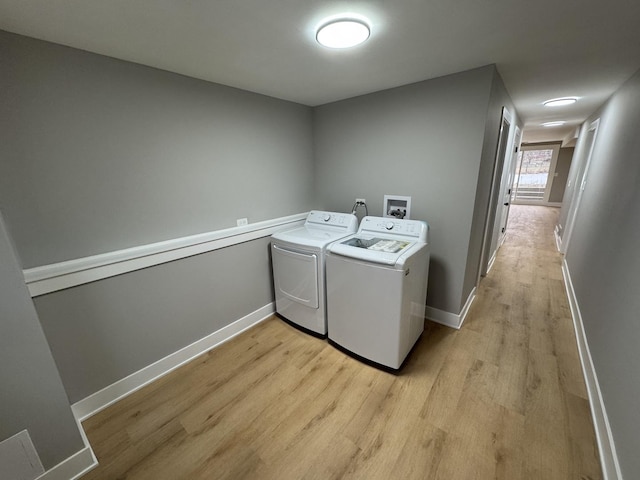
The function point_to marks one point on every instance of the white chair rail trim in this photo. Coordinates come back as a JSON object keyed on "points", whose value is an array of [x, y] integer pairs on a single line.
{"points": [[58, 276]]}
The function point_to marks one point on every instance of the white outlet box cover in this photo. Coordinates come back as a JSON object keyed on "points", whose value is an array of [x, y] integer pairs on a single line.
{"points": [[19, 459]]}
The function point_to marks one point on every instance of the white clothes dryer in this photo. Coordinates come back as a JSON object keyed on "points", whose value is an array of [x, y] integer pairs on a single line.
{"points": [[377, 290], [298, 259]]}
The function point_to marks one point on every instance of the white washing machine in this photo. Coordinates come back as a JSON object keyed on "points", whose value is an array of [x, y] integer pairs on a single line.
{"points": [[298, 258], [377, 290]]}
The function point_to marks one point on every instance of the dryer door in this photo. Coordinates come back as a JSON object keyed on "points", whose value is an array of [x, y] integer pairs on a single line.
{"points": [[295, 276]]}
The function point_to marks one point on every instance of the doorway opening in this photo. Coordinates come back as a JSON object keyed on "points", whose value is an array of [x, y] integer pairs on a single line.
{"points": [[533, 179]]}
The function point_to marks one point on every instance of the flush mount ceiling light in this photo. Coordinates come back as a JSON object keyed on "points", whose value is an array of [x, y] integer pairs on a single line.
{"points": [[343, 33], [560, 102], [553, 124]]}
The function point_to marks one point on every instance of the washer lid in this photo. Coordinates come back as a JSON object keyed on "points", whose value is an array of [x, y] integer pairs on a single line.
{"points": [[388, 251]]}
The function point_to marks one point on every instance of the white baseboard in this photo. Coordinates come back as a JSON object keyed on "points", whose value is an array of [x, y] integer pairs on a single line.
{"points": [[606, 446], [451, 319], [73, 467], [492, 261], [538, 203], [467, 306], [120, 389], [557, 237]]}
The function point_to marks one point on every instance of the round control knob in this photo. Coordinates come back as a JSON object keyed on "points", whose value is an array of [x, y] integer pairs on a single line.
{"points": [[327, 217], [389, 225]]}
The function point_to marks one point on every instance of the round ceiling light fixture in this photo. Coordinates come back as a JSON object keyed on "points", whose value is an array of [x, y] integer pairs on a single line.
{"points": [[553, 124], [560, 102], [343, 32]]}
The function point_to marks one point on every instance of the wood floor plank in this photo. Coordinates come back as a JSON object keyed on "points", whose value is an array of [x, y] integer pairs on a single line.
{"points": [[546, 427], [583, 455], [510, 386], [474, 424], [439, 405], [382, 441], [420, 454], [369, 407], [503, 397], [332, 462]]}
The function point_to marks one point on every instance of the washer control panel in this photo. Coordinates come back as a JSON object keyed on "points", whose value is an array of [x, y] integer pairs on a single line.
{"points": [[405, 228]]}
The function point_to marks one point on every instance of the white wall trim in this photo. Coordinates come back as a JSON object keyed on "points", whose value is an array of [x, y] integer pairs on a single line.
{"points": [[556, 234], [451, 319], [126, 386], [73, 467], [538, 203], [58, 276], [492, 260], [606, 446], [467, 306]]}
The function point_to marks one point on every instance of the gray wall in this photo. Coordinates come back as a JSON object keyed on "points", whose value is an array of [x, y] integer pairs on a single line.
{"points": [[103, 331], [31, 395], [423, 140], [565, 155], [101, 154], [499, 98], [604, 264]]}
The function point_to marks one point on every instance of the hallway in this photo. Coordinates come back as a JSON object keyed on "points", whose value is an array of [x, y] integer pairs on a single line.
{"points": [[503, 397], [523, 324]]}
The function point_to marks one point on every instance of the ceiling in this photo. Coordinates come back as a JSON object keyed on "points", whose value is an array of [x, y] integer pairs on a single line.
{"points": [[543, 49]]}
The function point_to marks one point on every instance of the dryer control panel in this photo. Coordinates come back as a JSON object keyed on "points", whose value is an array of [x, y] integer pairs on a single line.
{"points": [[336, 219]]}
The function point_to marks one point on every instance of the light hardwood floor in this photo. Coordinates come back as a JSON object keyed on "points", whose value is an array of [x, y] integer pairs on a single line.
{"points": [[503, 397]]}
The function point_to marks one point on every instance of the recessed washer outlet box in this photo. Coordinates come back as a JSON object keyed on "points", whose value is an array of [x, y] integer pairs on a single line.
{"points": [[397, 206]]}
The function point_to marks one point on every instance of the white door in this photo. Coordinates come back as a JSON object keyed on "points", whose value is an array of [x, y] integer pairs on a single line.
{"points": [[507, 182]]}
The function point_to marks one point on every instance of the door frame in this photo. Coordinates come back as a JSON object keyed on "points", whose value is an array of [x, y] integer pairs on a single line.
{"points": [[555, 147], [580, 183], [507, 184], [498, 165]]}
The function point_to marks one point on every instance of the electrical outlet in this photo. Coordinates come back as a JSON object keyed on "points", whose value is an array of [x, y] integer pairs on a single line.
{"points": [[360, 200], [241, 222]]}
